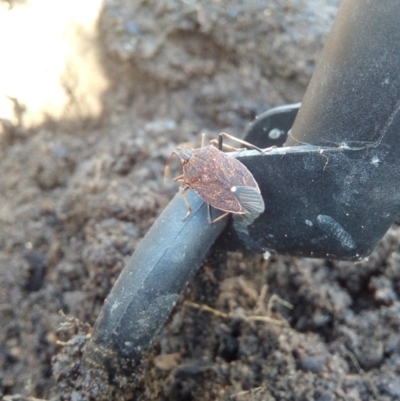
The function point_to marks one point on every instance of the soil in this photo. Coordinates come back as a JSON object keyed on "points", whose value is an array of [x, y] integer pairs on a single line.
{"points": [[77, 197]]}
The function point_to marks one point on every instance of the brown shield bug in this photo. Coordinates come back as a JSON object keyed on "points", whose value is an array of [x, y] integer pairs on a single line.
{"points": [[222, 181]]}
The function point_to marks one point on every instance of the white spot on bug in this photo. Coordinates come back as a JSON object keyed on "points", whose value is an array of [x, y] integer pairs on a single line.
{"points": [[375, 161], [233, 189], [335, 230], [309, 223]]}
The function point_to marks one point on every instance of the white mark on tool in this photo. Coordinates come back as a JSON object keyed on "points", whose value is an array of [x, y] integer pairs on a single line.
{"points": [[275, 133], [335, 230], [375, 161]]}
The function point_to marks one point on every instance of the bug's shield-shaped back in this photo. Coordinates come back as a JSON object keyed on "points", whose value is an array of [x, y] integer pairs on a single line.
{"points": [[250, 199]]}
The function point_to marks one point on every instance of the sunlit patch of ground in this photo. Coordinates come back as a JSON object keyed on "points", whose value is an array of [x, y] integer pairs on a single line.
{"points": [[49, 65]]}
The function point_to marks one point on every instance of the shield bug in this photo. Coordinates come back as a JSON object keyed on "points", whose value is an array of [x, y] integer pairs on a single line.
{"points": [[222, 181]]}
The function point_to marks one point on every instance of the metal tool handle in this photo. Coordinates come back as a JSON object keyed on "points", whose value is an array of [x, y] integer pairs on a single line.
{"points": [[149, 286], [354, 93]]}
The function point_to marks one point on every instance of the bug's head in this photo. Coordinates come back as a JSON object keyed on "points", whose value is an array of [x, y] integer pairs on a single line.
{"points": [[184, 155]]}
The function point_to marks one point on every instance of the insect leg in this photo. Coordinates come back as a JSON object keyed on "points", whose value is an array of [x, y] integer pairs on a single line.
{"points": [[225, 135], [179, 178], [166, 171], [220, 217], [183, 190], [210, 220]]}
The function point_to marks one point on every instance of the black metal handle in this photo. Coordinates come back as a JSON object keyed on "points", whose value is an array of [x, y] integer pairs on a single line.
{"points": [[149, 286]]}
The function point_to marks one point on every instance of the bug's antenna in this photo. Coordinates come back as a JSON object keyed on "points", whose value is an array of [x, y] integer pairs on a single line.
{"points": [[220, 141], [241, 141], [203, 139], [167, 168]]}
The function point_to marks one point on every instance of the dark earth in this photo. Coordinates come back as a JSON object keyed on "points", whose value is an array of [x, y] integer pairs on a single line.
{"points": [[77, 196]]}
